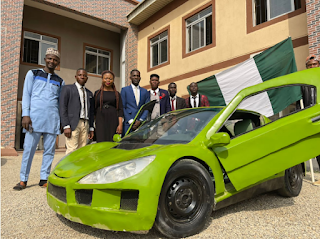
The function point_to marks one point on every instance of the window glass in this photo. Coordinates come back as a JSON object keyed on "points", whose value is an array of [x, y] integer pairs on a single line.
{"points": [[196, 36], [50, 39], [159, 49], [32, 35], [163, 51], [96, 60], [280, 7], [103, 64], [155, 55], [91, 63], [192, 19], [31, 51], [173, 127]]}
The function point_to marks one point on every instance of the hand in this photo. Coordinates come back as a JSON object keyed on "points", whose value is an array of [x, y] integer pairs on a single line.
{"points": [[119, 129], [26, 121], [67, 132], [91, 134], [136, 125]]}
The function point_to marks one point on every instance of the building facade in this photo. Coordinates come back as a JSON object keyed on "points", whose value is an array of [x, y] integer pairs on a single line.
{"points": [[187, 41], [91, 34]]}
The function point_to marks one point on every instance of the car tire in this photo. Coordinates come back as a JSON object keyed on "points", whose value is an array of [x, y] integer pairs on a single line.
{"points": [[292, 182], [186, 200]]}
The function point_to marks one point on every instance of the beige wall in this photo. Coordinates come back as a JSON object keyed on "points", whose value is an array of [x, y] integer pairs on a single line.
{"points": [[232, 41], [73, 34]]}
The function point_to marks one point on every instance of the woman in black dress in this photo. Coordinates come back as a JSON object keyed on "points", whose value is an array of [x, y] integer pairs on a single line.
{"points": [[108, 109]]}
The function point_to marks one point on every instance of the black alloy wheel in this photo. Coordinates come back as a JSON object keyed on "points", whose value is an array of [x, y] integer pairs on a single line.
{"points": [[186, 200], [292, 182]]}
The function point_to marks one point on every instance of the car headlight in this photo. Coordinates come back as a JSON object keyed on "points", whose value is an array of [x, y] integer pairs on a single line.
{"points": [[117, 172]]}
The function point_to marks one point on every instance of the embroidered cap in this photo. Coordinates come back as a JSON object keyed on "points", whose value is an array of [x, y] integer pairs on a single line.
{"points": [[311, 57], [52, 51]]}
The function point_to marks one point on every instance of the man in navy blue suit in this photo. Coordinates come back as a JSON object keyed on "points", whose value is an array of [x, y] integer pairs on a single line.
{"points": [[133, 97], [160, 95]]}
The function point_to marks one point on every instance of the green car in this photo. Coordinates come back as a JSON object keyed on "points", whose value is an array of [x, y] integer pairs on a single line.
{"points": [[173, 171]]}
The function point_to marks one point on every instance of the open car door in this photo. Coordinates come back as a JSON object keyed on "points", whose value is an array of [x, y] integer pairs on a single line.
{"points": [[259, 153], [149, 107]]}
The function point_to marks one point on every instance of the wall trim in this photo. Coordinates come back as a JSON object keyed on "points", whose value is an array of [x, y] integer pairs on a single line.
{"points": [[224, 64]]}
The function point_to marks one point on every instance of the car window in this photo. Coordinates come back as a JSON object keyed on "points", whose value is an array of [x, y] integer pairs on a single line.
{"points": [[241, 122], [174, 127], [273, 103]]}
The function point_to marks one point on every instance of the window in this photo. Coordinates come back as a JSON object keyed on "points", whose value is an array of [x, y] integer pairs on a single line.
{"points": [[35, 46], [266, 10], [159, 49], [96, 60], [199, 30]]}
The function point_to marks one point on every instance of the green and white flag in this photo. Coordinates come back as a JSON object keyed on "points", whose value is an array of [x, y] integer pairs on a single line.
{"points": [[276, 61]]}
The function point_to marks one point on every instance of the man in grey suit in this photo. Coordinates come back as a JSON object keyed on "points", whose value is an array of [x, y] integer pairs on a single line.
{"points": [[77, 112], [176, 103]]}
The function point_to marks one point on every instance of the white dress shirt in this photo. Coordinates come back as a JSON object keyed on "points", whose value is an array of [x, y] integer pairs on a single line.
{"points": [[155, 92], [136, 92], [192, 100], [174, 99]]}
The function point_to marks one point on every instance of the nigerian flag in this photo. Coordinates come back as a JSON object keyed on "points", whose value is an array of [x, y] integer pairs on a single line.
{"points": [[274, 62]]}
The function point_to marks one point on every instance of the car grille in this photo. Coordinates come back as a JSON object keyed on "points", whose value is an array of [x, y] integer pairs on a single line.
{"points": [[84, 196], [58, 192], [129, 200]]}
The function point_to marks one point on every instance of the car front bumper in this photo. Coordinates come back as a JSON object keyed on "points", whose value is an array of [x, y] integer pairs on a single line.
{"points": [[118, 207]]}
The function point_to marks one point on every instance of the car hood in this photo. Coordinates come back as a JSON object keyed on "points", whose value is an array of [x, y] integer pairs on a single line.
{"points": [[96, 156]]}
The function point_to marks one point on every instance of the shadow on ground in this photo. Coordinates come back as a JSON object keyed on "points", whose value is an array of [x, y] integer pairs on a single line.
{"points": [[99, 233]]}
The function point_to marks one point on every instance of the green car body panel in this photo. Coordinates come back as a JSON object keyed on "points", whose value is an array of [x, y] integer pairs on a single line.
{"points": [[286, 142]]}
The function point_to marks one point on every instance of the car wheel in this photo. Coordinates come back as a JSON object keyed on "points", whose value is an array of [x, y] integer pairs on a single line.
{"points": [[292, 182], [186, 200]]}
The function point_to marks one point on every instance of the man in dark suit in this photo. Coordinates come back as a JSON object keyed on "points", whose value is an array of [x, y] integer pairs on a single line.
{"points": [[133, 97], [77, 112], [195, 99], [176, 102], [160, 95]]}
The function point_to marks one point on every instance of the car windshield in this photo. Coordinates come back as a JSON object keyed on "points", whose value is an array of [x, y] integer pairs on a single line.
{"points": [[173, 128]]}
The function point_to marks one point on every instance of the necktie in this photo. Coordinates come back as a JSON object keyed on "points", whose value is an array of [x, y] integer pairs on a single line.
{"points": [[136, 94], [194, 102], [155, 93], [172, 104], [84, 102]]}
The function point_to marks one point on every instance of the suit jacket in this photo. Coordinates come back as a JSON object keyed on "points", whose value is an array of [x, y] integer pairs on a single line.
{"points": [[180, 103], [130, 108], [164, 101], [70, 106], [203, 101]]}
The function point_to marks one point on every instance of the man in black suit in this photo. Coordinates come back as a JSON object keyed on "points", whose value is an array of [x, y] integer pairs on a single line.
{"points": [[176, 102], [77, 112]]}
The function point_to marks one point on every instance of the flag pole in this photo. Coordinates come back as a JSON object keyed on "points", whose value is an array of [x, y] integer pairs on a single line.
{"points": [[310, 160]]}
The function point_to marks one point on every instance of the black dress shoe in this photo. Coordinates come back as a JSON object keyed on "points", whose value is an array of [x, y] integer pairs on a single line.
{"points": [[21, 185], [43, 183]]}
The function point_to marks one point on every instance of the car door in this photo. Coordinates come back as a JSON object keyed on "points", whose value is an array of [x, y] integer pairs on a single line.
{"points": [[267, 150]]}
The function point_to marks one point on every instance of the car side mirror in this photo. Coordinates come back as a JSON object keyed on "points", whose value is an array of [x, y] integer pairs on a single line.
{"points": [[116, 137], [218, 140]]}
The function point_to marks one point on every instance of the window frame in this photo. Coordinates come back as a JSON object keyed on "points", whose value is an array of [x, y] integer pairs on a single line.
{"points": [[251, 26], [185, 52], [149, 51], [97, 54], [158, 42], [190, 25], [39, 56]]}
